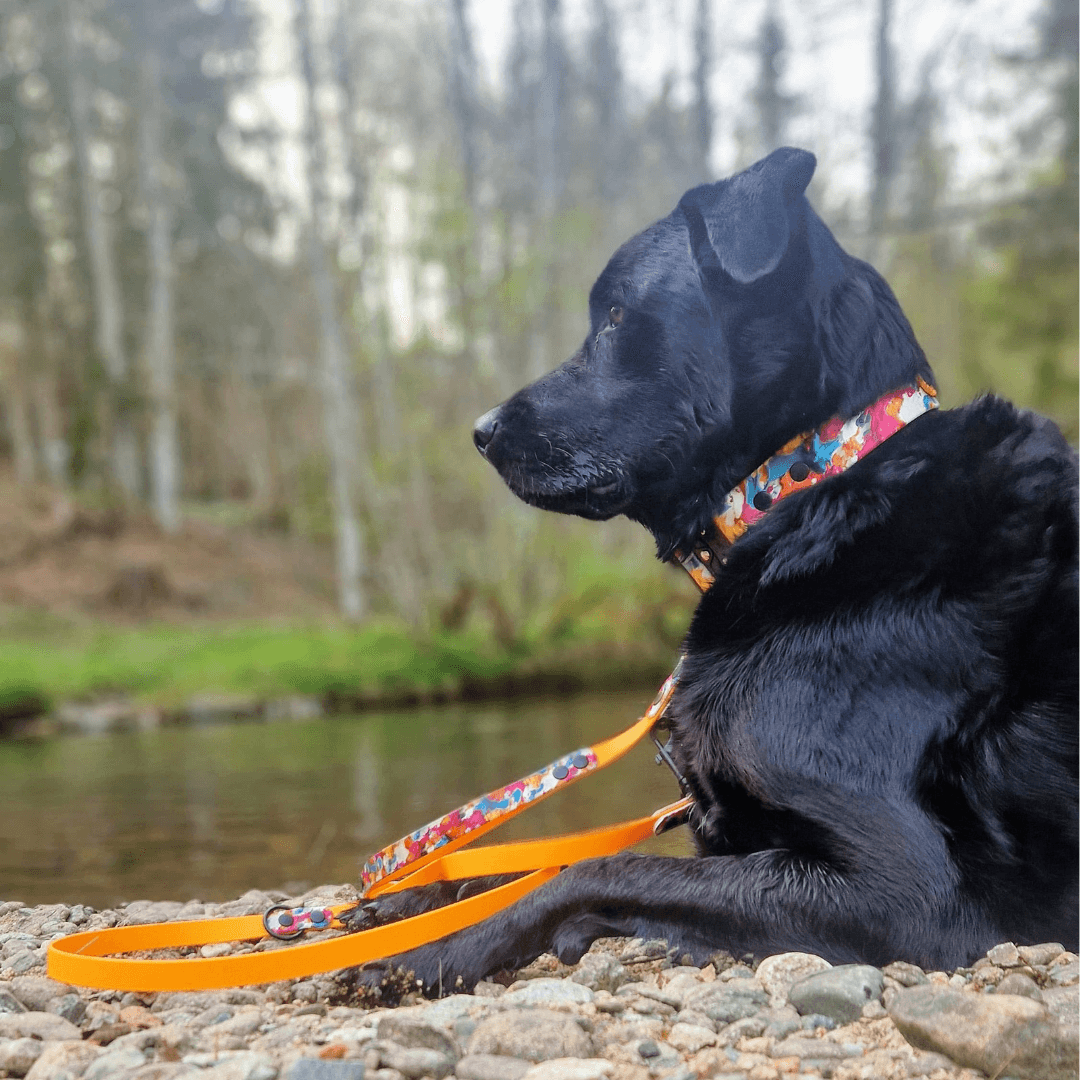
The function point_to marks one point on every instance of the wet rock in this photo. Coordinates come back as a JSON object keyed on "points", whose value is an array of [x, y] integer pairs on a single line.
{"points": [[489, 1067], [777, 973], [991, 1032], [840, 992], [415, 1034], [571, 1069], [17, 1055], [37, 1025], [534, 1036], [548, 992], [64, 1060]]}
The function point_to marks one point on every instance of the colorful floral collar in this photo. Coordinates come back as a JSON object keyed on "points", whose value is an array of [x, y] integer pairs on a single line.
{"points": [[801, 463]]}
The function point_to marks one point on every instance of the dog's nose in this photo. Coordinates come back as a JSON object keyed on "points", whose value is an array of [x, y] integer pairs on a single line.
{"points": [[484, 431]]}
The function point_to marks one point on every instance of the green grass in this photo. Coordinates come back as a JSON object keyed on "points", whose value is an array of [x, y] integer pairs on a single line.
{"points": [[167, 665]]}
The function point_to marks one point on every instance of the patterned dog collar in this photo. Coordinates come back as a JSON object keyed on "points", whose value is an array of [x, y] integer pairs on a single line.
{"points": [[801, 463]]}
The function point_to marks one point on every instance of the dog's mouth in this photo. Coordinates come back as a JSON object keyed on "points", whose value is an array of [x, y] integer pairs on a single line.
{"points": [[598, 498]]}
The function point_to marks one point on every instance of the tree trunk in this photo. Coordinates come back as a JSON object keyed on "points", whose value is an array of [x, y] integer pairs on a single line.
{"points": [[339, 409], [16, 397], [160, 349], [703, 115], [104, 280], [882, 129]]}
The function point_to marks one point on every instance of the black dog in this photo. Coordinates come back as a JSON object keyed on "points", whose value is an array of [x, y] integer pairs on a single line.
{"points": [[878, 711]]}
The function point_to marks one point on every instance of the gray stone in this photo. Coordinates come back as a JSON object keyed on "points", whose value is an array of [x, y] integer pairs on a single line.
{"points": [[37, 1025], [69, 1006], [571, 1069], [17, 1055], [905, 974], [533, 1035], [816, 1020], [548, 992], [1040, 955], [64, 1060], [9, 1003], [1022, 985], [840, 992], [415, 1034], [245, 1065], [777, 973], [24, 961], [446, 1011], [112, 1062], [316, 1069], [727, 1002], [815, 1048], [159, 1070], [1005, 955], [691, 1037], [36, 991], [1065, 974], [992, 1032], [490, 1067], [419, 1062], [242, 1023], [600, 971], [637, 951], [1063, 1003], [750, 1027]]}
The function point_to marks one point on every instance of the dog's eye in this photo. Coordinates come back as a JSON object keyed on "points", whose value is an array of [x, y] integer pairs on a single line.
{"points": [[615, 315]]}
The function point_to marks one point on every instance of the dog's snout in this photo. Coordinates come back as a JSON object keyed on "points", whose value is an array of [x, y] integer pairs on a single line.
{"points": [[484, 431]]}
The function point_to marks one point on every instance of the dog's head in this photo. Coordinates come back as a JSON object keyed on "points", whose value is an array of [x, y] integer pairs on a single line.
{"points": [[715, 336]]}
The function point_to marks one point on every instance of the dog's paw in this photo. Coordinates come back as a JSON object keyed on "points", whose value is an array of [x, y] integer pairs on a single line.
{"points": [[393, 907]]}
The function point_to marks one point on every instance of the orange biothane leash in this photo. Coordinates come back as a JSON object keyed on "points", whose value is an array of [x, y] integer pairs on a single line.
{"points": [[90, 958], [432, 853]]}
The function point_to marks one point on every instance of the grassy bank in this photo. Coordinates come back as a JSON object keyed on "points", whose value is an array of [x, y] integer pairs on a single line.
{"points": [[344, 667]]}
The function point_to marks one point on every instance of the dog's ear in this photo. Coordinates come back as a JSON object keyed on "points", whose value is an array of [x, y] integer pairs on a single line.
{"points": [[742, 223]]}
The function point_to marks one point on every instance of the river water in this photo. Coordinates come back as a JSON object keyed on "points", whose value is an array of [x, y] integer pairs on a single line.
{"points": [[209, 812]]}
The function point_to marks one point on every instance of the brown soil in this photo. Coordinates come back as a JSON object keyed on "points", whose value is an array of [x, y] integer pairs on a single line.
{"points": [[62, 558]]}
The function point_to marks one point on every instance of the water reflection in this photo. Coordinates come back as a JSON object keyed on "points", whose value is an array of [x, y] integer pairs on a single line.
{"points": [[210, 812]]}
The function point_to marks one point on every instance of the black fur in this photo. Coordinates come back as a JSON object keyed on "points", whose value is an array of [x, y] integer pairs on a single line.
{"points": [[878, 712]]}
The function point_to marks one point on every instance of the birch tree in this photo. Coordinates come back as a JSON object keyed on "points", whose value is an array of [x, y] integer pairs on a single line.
{"points": [[95, 159], [883, 128], [703, 110], [341, 421], [160, 344]]}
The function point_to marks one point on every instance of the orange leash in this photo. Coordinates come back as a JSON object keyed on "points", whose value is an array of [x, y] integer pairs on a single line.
{"points": [[84, 959], [95, 958]]}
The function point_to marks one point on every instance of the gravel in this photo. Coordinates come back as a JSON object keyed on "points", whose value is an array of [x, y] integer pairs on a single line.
{"points": [[627, 1011]]}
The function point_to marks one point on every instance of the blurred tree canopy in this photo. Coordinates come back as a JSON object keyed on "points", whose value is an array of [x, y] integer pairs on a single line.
{"points": [[278, 256]]}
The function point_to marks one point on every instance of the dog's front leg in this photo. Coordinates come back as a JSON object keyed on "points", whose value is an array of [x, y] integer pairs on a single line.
{"points": [[763, 903]]}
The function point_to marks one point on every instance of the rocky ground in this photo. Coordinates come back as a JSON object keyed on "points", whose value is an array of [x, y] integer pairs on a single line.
{"points": [[627, 1011]]}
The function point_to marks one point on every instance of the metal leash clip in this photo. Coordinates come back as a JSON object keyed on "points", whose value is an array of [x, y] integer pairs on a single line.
{"points": [[285, 923]]}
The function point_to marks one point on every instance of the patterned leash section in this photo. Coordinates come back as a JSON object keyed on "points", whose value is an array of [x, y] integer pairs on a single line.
{"points": [[471, 821]]}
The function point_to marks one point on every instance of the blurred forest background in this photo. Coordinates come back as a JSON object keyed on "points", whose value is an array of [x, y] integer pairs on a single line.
{"points": [[265, 262]]}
